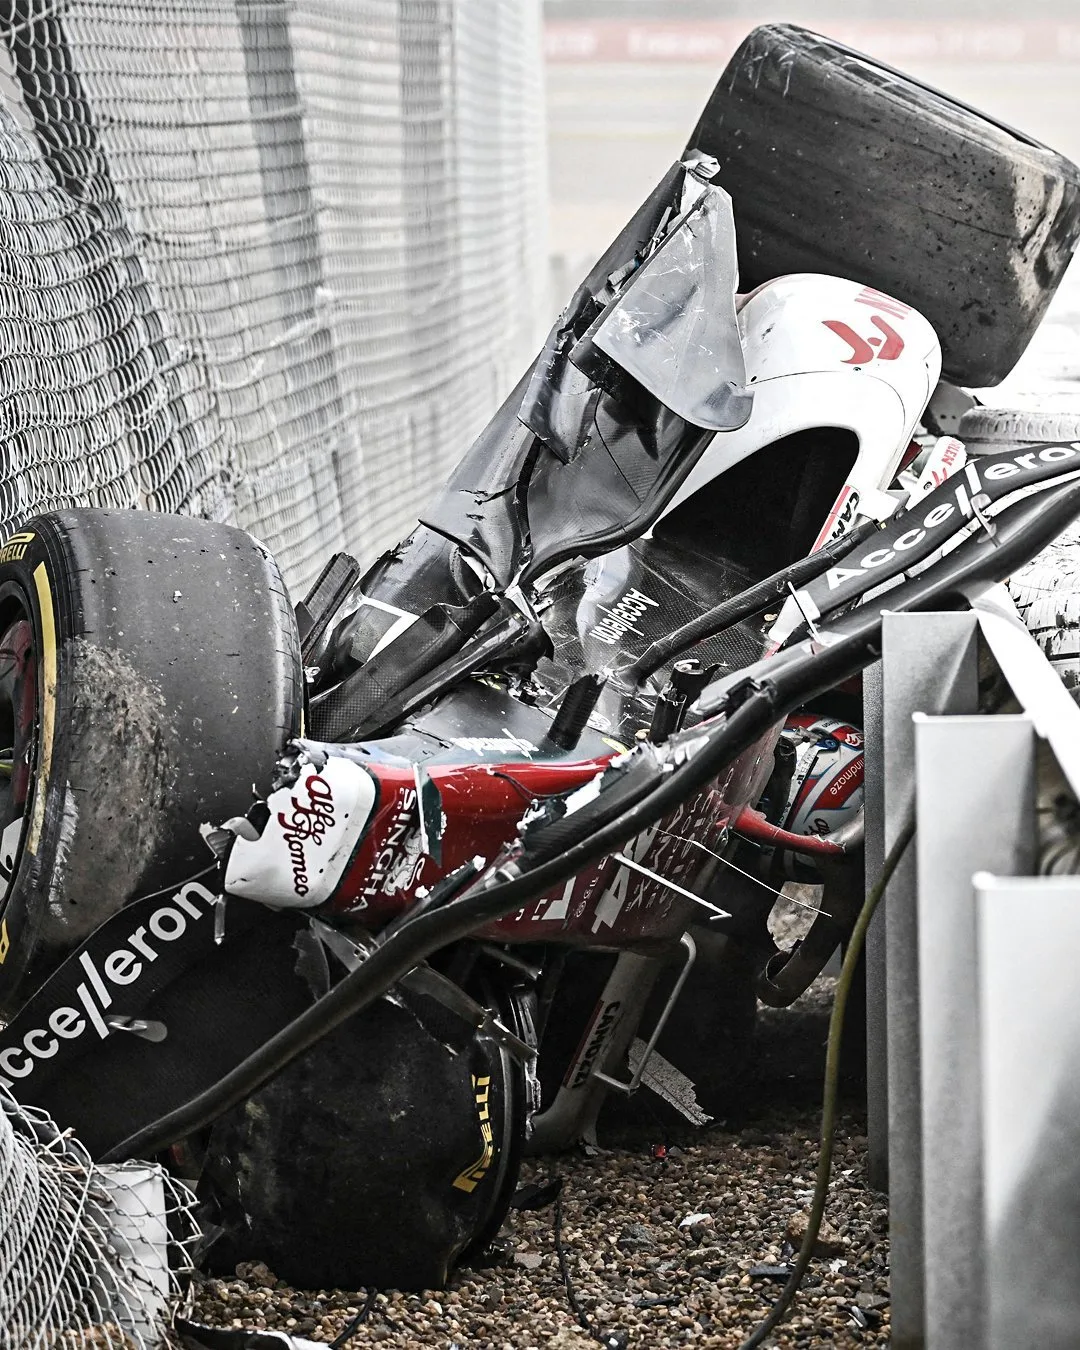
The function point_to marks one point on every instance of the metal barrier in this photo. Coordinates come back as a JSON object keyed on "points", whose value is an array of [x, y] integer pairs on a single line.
{"points": [[970, 998]]}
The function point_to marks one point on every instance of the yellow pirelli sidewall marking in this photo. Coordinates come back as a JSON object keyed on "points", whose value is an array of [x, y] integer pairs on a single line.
{"points": [[5, 941], [474, 1175], [14, 546], [48, 703]]}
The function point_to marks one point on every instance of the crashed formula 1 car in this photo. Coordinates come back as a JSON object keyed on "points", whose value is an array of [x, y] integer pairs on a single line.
{"points": [[341, 908]]}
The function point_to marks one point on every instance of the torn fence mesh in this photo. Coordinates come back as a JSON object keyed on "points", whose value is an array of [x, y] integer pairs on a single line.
{"points": [[267, 261], [88, 1255]]}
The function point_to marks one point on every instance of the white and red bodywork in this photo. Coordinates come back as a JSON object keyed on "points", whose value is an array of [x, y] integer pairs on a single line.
{"points": [[826, 352], [820, 351], [607, 905]]}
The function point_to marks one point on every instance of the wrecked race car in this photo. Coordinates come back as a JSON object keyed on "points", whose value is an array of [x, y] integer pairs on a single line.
{"points": [[341, 907]]}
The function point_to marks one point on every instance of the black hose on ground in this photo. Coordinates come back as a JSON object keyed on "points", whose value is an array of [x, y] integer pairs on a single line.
{"points": [[610, 1340], [353, 1326]]}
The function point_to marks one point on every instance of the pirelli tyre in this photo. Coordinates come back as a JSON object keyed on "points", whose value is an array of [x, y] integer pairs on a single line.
{"points": [[839, 164], [150, 675], [381, 1157], [1055, 572]]}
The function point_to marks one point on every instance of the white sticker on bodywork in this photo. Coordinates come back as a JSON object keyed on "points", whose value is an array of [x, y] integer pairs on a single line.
{"points": [[947, 457], [845, 508], [308, 841], [9, 854]]}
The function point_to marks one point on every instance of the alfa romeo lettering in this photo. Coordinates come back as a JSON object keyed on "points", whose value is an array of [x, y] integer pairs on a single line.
{"points": [[307, 841], [120, 969], [307, 824]]}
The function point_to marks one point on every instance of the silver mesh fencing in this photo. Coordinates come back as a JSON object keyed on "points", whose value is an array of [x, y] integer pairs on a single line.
{"points": [[89, 1256], [266, 261]]}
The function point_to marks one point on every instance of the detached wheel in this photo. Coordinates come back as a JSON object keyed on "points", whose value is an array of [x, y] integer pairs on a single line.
{"points": [[150, 675], [838, 164], [379, 1158]]}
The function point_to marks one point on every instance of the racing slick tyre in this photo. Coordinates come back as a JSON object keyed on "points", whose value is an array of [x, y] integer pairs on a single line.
{"points": [[380, 1157], [1047, 590], [839, 164], [150, 677]]}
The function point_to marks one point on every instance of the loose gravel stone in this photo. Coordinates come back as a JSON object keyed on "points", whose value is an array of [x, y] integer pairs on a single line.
{"points": [[670, 1292], [828, 1241], [635, 1272]]}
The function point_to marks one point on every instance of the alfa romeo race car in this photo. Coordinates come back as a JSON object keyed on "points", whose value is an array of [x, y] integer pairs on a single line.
{"points": [[339, 906]]}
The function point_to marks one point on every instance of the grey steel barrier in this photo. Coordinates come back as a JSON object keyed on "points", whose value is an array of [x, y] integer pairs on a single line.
{"points": [[971, 1001]]}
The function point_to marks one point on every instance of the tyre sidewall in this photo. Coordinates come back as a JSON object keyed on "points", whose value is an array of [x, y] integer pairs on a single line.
{"points": [[376, 1158], [169, 679], [29, 577]]}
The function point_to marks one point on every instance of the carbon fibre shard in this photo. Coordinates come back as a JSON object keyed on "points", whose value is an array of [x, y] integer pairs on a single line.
{"points": [[674, 329]]}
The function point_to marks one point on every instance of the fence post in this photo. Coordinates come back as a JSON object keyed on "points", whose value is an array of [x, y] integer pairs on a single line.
{"points": [[1029, 937], [929, 664], [975, 810]]}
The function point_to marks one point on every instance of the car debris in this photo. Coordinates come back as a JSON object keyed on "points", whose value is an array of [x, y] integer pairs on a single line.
{"points": [[529, 787]]}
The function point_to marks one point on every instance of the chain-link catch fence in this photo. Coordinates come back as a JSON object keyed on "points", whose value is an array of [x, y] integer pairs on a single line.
{"points": [[89, 1256], [268, 261]]}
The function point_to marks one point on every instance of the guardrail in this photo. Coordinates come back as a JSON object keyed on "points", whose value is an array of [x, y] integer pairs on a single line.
{"points": [[973, 1000]]}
